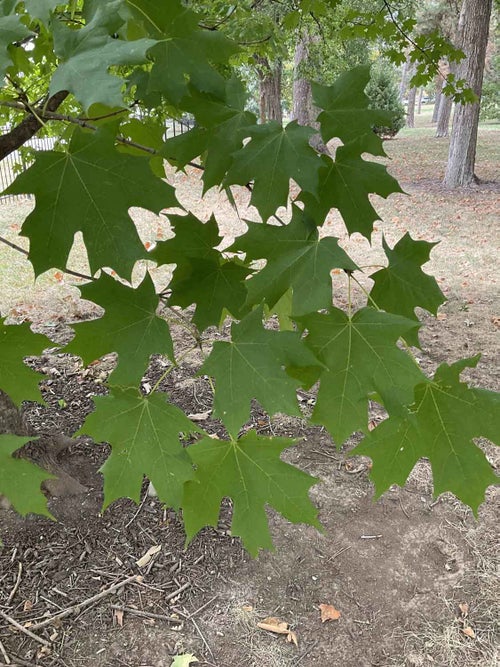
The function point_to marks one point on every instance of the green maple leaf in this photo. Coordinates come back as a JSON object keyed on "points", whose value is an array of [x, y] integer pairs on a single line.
{"points": [[144, 436], [346, 114], [11, 30], [41, 9], [249, 471], [297, 258], [214, 285], [227, 125], [88, 53], [253, 365], [345, 184], [202, 276], [440, 425], [271, 158], [129, 327], [193, 239], [403, 285], [362, 360], [16, 379], [184, 50], [20, 480], [105, 183]]}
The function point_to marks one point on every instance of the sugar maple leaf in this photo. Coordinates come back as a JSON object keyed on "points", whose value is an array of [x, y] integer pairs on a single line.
{"points": [[129, 327], [249, 471], [105, 183], [345, 183], [184, 50], [41, 9], [144, 436], [271, 158], [403, 285], [16, 379], [88, 53], [252, 366], [361, 359], [296, 257], [20, 480], [11, 30], [214, 285], [194, 239], [346, 114], [441, 423]]}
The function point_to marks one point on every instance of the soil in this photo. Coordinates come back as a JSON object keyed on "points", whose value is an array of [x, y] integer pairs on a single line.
{"points": [[396, 569]]}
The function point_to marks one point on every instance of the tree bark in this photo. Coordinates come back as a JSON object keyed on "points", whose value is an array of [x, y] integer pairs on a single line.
{"points": [[410, 114], [473, 28], [302, 96], [419, 103], [438, 98], [404, 80], [444, 114], [29, 126], [269, 89]]}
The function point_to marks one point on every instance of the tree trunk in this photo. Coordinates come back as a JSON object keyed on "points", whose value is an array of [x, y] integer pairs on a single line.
{"points": [[410, 114], [473, 27], [270, 89], [419, 103], [404, 80], [302, 97], [438, 98], [444, 114]]}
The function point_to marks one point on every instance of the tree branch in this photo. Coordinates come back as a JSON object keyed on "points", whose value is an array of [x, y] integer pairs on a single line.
{"points": [[28, 127]]}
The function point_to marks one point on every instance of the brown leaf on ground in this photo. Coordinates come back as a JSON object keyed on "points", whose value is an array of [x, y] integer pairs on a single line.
{"points": [[464, 609], [273, 624], [469, 632], [292, 638], [329, 613], [118, 617]]}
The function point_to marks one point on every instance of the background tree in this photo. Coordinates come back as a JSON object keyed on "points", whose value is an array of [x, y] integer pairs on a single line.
{"points": [[473, 29]]}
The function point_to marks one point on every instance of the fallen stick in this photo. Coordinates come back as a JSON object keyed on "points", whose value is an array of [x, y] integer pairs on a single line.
{"points": [[146, 614], [8, 661], [16, 585], [77, 607], [180, 590], [24, 630]]}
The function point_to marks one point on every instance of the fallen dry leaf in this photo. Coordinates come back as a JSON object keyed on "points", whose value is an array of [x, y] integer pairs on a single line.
{"points": [[292, 638], [464, 608], [118, 617], [469, 632], [146, 559], [28, 605], [329, 613], [247, 607], [272, 624]]}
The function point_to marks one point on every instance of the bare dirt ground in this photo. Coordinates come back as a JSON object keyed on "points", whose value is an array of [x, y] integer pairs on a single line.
{"points": [[400, 570]]}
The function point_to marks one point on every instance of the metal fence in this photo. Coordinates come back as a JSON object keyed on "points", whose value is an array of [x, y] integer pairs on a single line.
{"points": [[11, 165], [14, 163]]}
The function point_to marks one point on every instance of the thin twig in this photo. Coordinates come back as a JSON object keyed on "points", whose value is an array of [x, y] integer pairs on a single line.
{"points": [[4, 653], [70, 272], [177, 592], [14, 246], [202, 608], [84, 603], [340, 551], [24, 630], [137, 511], [146, 614], [197, 628], [403, 509], [16, 585], [305, 653]]}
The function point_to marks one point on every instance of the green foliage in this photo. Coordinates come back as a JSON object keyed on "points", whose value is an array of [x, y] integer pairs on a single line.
{"points": [[20, 480], [384, 94], [250, 471], [168, 60]]}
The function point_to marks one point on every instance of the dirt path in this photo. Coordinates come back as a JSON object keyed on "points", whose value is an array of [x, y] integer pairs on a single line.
{"points": [[396, 569]]}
